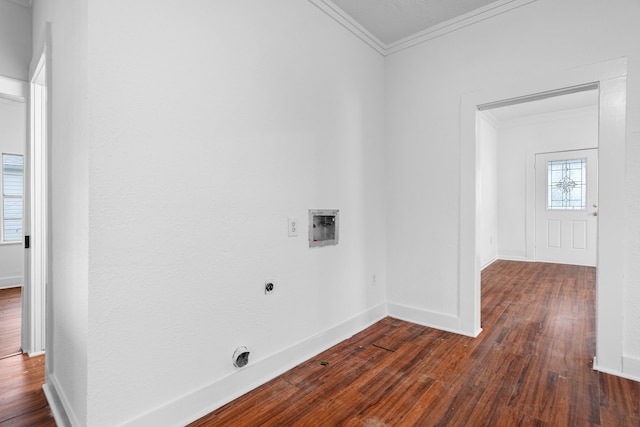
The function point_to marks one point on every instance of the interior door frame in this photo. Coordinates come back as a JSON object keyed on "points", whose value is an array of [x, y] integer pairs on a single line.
{"points": [[611, 80], [36, 304]]}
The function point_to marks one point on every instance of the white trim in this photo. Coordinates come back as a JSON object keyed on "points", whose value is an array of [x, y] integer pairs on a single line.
{"points": [[491, 118], [343, 18], [611, 76], [10, 243], [58, 403], [631, 370], [488, 263], [525, 99], [34, 311], [10, 282], [610, 323], [631, 367], [468, 286], [494, 9], [16, 90], [520, 258], [431, 319], [200, 402]]}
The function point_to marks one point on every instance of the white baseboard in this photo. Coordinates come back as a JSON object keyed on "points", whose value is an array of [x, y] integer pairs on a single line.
{"points": [[10, 282], [514, 258], [59, 404], [488, 263], [423, 317], [630, 368], [199, 403]]}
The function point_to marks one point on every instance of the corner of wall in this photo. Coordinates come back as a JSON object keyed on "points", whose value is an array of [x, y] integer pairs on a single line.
{"points": [[424, 317], [62, 413]]}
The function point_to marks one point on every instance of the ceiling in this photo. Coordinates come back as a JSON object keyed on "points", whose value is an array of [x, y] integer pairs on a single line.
{"points": [[393, 20], [392, 25]]}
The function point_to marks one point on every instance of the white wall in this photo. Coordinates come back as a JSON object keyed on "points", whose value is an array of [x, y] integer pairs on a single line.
{"points": [[15, 54], [15, 40], [67, 325], [186, 135], [12, 141], [518, 142], [488, 173], [210, 124], [424, 86]]}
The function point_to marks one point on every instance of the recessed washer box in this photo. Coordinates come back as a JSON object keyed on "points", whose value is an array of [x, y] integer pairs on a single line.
{"points": [[323, 227]]}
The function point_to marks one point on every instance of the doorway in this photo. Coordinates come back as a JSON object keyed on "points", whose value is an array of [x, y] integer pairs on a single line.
{"points": [[13, 127], [610, 79], [515, 221]]}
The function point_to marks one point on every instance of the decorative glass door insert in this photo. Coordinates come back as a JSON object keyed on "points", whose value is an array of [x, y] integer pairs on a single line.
{"points": [[567, 184]]}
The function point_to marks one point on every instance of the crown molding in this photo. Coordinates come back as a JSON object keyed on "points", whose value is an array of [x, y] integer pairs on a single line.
{"points": [[23, 3], [343, 18], [489, 11]]}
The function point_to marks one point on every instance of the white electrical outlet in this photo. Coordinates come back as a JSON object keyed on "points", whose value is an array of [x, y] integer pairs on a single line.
{"points": [[293, 227]]}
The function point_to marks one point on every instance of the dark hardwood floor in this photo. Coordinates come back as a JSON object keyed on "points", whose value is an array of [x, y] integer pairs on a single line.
{"points": [[22, 401], [531, 366], [10, 320]]}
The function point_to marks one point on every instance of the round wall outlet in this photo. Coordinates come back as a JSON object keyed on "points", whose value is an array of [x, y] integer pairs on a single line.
{"points": [[269, 287], [240, 357]]}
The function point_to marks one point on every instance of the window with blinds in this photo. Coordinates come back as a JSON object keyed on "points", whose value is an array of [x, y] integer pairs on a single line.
{"points": [[12, 197]]}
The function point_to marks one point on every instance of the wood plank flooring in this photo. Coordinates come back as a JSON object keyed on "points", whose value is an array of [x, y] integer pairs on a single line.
{"points": [[22, 401], [10, 320], [531, 366]]}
